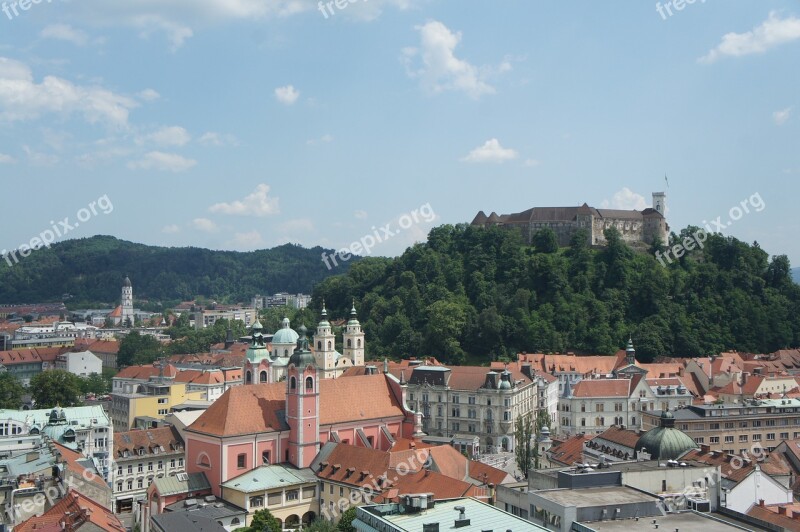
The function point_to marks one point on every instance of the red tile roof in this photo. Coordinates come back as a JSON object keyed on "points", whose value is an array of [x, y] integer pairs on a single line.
{"points": [[602, 388], [144, 372], [74, 510], [28, 356], [569, 451], [255, 408], [167, 438], [620, 436]]}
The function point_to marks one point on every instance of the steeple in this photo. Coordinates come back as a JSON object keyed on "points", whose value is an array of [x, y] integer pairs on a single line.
{"points": [[325, 344], [354, 343], [630, 353], [302, 403]]}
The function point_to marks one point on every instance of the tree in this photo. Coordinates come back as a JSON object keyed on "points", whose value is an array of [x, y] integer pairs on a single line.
{"points": [[94, 383], [523, 434], [136, 348], [264, 521], [346, 521], [545, 241], [11, 391], [321, 525], [56, 387]]}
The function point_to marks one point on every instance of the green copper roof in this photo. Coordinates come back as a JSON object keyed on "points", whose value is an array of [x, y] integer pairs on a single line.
{"points": [[285, 335], [665, 442]]}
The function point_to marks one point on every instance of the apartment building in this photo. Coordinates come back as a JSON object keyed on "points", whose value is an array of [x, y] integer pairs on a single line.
{"points": [[462, 402], [149, 403], [141, 456], [736, 428]]}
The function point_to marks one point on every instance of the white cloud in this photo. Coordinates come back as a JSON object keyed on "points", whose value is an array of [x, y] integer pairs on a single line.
{"points": [[287, 95], [21, 98], [531, 162], [158, 160], [771, 33], [65, 32], [258, 203], [299, 224], [205, 225], [324, 139], [246, 241], [211, 138], [625, 199], [171, 229], [780, 117], [490, 152], [167, 136], [360, 215], [92, 159], [149, 95], [38, 158], [176, 18], [440, 69], [6, 159]]}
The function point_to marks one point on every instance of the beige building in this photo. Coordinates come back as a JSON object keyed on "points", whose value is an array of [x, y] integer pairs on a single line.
{"points": [[736, 428], [462, 402], [150, 403], [290, 494]]}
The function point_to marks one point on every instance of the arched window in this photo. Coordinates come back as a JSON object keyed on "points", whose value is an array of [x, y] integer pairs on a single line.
{"points": [[329, 344], [248, 378], [319, 345], [349, 343], [235, 521], [263, 376], [286, 352], [292, 383], [358, 342], [202, 460], [309, 383]]}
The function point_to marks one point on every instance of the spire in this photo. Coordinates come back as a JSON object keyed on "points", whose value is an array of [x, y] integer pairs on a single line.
{"points": [[630, 353]]}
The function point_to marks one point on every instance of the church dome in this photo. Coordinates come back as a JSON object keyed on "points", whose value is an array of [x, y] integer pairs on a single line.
{"points": [[127, 282], [285, 335], [665, 442]]}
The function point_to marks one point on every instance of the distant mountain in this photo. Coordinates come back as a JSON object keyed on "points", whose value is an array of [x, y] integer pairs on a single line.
{"points": [[92, 270], [796, 275]]}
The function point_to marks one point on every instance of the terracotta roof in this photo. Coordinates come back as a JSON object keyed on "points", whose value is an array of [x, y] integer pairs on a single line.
{"points": [[167, 438], [144, 372], [735, 468], [620, 436], [28, 356], [602, 364], [602, 388], [662, 370], [569, 451], [258, 408], [116, 313], [97, 346], [71, 460], [769, 513], [74, 510], [196, 376]]}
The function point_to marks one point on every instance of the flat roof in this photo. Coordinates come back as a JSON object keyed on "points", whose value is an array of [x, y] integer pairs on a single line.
{"points": [[267, 477], [590, 497], [685, 522], [482, 516]]}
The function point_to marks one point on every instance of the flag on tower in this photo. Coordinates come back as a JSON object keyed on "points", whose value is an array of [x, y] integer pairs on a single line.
{"points": [[666, 180]]}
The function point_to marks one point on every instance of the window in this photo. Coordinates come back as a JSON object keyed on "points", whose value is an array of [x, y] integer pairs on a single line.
{"points": [[728, 439], [309, 383], [265, 457], [180, 462], [756, 423], [743, 424], [130, 485], [743, 438], [456, 411], [583, 422], [130, 469], [257, 501], [728, 424], [162, 400], [456, 427], [784, 435], [293, 383], [140, 469], [714, 439], [770, 422], [506, 416], [292, 495], [699, 440], [771, 436], [756, 437], [617, 407], [341, 491], [714, 426], [455, 399], [439, 411], [119, 486], [241, 461], [119, 471], [149, 466], [599, 407], [163, 411], [140, 483], [172, 463], [471, 399], [161, 464]]}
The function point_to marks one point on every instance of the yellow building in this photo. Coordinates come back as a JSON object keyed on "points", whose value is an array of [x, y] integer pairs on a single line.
{"points": [[151, 401], [290, 494]]}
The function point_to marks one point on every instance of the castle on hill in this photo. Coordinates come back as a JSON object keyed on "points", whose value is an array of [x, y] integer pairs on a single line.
{"points": [[637, 228]]}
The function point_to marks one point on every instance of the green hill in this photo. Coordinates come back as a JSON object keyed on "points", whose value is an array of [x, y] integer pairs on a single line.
{"points": [[471, 294], [92, 270]]}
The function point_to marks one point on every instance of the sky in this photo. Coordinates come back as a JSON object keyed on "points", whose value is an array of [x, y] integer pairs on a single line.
{"points": [[245, 124]]}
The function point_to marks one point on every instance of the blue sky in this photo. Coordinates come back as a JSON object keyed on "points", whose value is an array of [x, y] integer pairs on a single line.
{"points": [[243, 124]]}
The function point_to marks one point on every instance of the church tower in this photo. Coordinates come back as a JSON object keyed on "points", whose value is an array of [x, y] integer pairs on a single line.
{"points": [[354, 339], [302, 404], [325, 342], [127, 319], [630, 353]]}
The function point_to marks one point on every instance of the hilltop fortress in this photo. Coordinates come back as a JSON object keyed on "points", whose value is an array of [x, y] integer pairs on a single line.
{"points": [[638, 228]]}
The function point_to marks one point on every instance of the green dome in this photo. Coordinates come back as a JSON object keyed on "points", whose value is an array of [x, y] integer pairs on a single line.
{"points": [[302, 355], [665, 442], [285, 335]]}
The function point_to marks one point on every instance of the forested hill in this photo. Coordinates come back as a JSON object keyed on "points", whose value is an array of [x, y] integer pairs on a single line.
{"points": [[92, 270], [473, 293]]}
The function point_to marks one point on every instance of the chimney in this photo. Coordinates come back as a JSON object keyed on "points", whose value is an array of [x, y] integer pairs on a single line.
{"points": [[761, 502], [704, 448], [796, 515], [781, 510], [462, 520]]}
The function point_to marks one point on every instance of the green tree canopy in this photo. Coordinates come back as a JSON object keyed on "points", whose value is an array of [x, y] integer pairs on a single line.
{"points": [[11, 391], [55, 387]]}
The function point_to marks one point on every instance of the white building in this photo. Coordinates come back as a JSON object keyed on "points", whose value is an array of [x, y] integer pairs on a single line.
{"points": [[81, 364], [207, 318]]}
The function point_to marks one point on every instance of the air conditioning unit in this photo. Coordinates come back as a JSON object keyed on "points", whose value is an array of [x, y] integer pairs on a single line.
{"points": [[699, 505]]}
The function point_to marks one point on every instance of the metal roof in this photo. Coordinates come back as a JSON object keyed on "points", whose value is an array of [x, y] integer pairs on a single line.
{"points": [[267, 477], [181, 483]]}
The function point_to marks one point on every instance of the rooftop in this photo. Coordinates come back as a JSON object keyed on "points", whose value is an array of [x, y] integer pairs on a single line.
{"points": [[685, 522], [267, 477], [592, 497]]}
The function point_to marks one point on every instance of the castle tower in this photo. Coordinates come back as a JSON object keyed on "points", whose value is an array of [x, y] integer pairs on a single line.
{"points": [[128, 318], [660, 203], [302, 404], [354, 339], [325, 342]]}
